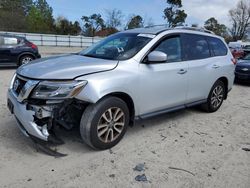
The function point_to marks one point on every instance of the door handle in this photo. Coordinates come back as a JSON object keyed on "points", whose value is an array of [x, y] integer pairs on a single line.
{"points": [[215, 66], [182, 71]]}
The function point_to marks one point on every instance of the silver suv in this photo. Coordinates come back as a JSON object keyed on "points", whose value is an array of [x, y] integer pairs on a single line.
{"points": [[128, 76]]}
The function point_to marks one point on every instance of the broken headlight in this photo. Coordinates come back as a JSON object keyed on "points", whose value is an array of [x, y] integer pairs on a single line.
{"points": [[58, 89]]}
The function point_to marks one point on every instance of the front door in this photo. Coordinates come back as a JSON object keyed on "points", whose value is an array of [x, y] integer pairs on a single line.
{"points": [[163, 85]]}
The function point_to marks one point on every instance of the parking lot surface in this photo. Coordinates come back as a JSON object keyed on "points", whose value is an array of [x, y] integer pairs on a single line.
{"points": [[188, 148]]}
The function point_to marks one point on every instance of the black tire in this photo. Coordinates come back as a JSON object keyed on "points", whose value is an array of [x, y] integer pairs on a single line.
{"points": [[25, 59], [92, 116], [210, 106]]}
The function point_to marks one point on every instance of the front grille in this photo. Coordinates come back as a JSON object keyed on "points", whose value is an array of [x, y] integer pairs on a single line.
{"points": [[21, 87], [18, 85]]}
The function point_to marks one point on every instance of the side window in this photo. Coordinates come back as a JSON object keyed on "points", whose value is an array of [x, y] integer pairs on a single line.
{"points": [[11, 41], [195, 47], [1, 41], [217, 47], [171, 47]]}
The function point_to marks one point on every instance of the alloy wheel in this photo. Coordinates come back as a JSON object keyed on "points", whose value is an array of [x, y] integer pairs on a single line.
{"points": [[26, 60], [217, 96], [111, 124]]}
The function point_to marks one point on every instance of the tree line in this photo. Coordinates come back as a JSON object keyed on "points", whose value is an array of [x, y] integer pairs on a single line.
{"points": [[37, 16]]}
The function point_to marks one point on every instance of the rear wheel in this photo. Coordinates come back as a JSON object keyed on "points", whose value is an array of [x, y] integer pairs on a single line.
{"points": [[216, 97], [25, 59], [104, 124]]}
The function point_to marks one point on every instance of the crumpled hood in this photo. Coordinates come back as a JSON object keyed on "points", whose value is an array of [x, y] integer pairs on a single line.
{"points": [[64, 67]]}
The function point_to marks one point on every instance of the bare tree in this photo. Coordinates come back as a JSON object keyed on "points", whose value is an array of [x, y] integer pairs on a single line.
{"points": [[148, 21], [114, 18], [240, 18]]}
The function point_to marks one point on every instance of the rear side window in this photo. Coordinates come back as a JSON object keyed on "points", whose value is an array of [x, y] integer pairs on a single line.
{"points": [[195, 47], [1, 41], [217, 47], [11, 41], [171, 47]]}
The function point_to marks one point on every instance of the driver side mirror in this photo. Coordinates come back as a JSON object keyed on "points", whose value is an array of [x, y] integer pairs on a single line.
{"points": [[157, 57]]}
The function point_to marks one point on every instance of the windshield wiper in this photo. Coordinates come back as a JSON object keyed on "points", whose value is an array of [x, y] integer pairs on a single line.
{"points": [[88, 55], [98, 57]]}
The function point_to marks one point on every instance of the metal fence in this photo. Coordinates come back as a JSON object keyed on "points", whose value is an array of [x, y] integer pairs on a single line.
{"points": [[57, 40]]}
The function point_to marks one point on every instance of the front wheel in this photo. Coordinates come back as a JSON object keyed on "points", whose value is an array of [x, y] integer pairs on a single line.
{"points": [[215, 97], [104, 124]]}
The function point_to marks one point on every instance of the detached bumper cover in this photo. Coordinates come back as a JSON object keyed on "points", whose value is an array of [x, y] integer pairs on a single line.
{"points": [[25, 118]]}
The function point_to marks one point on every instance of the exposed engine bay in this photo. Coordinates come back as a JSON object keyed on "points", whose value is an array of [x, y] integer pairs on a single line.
{"points": [[53, 115]]}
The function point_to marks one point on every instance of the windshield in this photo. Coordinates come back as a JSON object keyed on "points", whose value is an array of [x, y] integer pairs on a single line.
{"points": [[247, 57], [120, 46]]}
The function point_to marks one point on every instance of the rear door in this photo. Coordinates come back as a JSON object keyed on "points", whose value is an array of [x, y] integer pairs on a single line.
{"points": [[163, 86], [7, 44], [3, 51], [201, 74]]}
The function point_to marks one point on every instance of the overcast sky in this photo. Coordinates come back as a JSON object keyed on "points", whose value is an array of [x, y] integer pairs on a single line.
{"points": [[198, 10]]}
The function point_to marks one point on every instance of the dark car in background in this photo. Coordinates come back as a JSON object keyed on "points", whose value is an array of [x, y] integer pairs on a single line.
{"points": [[16, 50], [246, 49], [242, 70]]}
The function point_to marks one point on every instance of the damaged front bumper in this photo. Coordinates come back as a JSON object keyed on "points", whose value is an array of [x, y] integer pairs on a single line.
{"points": [[39, 118], [25, 117], [36, 122]]}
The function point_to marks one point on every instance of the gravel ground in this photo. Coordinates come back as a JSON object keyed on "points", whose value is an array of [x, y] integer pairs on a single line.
{"points": [[207, 146]]}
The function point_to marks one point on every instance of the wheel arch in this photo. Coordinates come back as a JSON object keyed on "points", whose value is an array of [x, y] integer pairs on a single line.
{"points": [[128, 100], [225, 81], [23, 54]]}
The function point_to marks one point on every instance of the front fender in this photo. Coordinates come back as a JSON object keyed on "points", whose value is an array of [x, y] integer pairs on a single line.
{"points": [[93, 92], [115, 81]]}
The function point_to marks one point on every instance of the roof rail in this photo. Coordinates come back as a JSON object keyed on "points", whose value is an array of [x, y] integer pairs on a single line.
{"points": [[165, 26], [201, 29], [160, 25]]}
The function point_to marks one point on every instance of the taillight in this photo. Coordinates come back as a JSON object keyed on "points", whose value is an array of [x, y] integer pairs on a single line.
{"points": [[30, 44], [234, 61]]}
